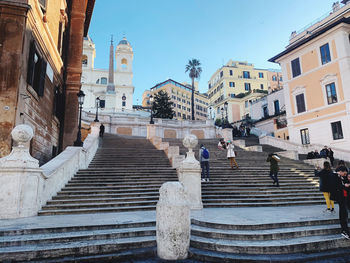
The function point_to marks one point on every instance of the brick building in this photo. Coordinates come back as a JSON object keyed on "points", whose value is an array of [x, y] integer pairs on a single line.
{"points": [[40, 52]]}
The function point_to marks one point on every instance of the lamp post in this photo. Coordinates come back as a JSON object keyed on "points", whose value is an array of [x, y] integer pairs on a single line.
{"points": [[151, 100], [97, 106], [81, 96], [226, 106], [222, 118]]}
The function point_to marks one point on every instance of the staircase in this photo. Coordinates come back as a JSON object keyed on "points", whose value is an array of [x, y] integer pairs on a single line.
{"points": [[125, 175]]}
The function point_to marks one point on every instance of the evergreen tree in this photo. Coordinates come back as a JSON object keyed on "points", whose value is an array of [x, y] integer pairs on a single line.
{"points": [[162, 106]]}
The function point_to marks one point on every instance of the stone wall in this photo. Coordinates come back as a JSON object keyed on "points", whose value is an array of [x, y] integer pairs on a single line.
{"points": [[137, 126]]}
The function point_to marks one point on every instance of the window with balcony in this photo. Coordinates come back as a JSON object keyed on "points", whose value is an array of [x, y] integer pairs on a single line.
{"points": [[325, 54], [247, 86], [300, 101], [296, 67], [261, 75], [305, 138], [331, 93], [246, 74], [337, 130]]}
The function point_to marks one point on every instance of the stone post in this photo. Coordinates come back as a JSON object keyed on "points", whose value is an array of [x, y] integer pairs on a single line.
{"points": [[151, 131], [95, 128], [227, 134], [189, 174], [20, 178], [173, 222]]}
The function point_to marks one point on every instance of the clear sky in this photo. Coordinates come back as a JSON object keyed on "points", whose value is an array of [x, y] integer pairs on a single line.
{"points": [[165, 34]]}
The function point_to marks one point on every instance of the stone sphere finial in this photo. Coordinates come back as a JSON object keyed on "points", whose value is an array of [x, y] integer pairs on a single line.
{"points": [[22, 134], [190, 141]]}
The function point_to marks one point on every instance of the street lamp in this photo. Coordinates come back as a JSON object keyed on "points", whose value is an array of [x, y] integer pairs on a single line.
{"points": [[97, 106], [226, 106], [81, 97], [151, 100], [222, 118]]}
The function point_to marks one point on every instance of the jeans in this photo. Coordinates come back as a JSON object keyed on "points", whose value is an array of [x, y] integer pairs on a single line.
{"points": [[205, 169], [343, 215], [273, 175]]}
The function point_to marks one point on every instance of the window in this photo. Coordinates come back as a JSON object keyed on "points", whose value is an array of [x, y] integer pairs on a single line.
{"points": [[265, 111], [184, 116], [232, 84], [296, 67], [325, 54], [221, 74], [246, 74], [247, 86], [281, 78], [179, 114], [231, 72], [274, 78], [84, 61], [188, 117], [179, 106], [103, 81], [305, 138], [276, 104], [36, 72], [123, 103], [337, 130], [261, 86], [261, 75], [331, 93], [300, 103], [183, 107]]}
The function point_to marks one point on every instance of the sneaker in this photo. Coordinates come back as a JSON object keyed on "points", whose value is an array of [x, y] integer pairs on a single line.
{"points": [[332, 210], [207, 179], [345, 234], [327, 210], [203, 180]]}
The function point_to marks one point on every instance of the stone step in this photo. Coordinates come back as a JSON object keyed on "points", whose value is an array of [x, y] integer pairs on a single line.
{"points": [[256, 203]]}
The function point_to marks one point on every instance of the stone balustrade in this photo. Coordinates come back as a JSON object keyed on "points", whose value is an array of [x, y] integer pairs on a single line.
{"points": [[24, 186]]}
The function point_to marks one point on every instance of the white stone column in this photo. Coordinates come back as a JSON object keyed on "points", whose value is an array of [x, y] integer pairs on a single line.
{"points": [[20, 178], [173, 222], [189, 174], [151, 131], [227, 134]]}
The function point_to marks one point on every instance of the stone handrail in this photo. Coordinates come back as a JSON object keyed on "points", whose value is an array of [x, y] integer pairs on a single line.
{"points": [[57, 172], [301, 148]]}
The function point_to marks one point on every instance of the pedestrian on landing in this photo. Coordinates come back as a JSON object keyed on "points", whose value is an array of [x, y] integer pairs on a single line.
{"points": [[274, 159], [231, 154], [222, 145], [204, 161], [331, 156], [339, 193], [102, 130], [325, 184]]}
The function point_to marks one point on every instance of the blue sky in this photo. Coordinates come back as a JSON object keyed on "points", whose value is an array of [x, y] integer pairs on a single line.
{"points": [[165, 34]]}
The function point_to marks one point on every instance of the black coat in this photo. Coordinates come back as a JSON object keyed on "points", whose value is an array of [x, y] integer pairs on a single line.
{"points": [[325, 179], [337, 187]]}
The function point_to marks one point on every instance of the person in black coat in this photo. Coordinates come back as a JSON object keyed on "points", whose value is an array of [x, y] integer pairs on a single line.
{"points": [[339, 189], [331, 156], [325, 185]]}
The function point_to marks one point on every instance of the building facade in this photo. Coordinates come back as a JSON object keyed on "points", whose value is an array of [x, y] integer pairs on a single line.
{"points": [[113, 87], [37, 73], [316, 71], [238, 83], [180, 95]]}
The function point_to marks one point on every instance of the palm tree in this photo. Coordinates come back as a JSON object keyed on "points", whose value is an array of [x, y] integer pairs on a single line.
{"points": [[194, 69]]}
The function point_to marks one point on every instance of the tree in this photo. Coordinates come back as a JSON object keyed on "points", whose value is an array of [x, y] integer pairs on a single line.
{"points": [[162, 106], [194, 69]]}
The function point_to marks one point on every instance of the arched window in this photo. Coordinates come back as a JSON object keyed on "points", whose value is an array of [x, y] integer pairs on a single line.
{"points": [[124, 63], [84, 61], [103, 80]]}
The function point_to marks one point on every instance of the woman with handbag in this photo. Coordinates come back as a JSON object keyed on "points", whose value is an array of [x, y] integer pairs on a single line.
{"points": [[231, 154]]}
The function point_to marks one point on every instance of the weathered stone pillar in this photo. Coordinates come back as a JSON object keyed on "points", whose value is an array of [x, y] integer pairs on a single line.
{"points": [[151, 131], [227, 134], [20, 178], [173, 222], [74, 69], [189, 174]]}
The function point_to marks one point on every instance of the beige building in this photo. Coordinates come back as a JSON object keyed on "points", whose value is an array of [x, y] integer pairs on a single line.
{"points": [[316, 71], [239, 84], [180, 95]]}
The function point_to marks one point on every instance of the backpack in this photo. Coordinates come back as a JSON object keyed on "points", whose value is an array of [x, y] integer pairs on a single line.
{"points": [[205, 154]]}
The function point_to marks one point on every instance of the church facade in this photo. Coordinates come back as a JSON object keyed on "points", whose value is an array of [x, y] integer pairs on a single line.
{"points": [[112, 88]]}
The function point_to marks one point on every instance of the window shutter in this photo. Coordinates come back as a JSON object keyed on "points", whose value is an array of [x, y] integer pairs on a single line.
{"points": [[30, 69], [43, 65]]}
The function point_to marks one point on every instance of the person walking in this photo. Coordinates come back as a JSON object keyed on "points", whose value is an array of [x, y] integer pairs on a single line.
{"points": [[325, 184], [274, 159], [331, 156], [231, 154], [339, 193], [204, 161], [102, 130]]}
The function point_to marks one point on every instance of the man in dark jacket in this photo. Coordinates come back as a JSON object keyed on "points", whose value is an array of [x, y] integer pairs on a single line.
{"points": [[273, 159], [204, 161], [339, 194]]}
